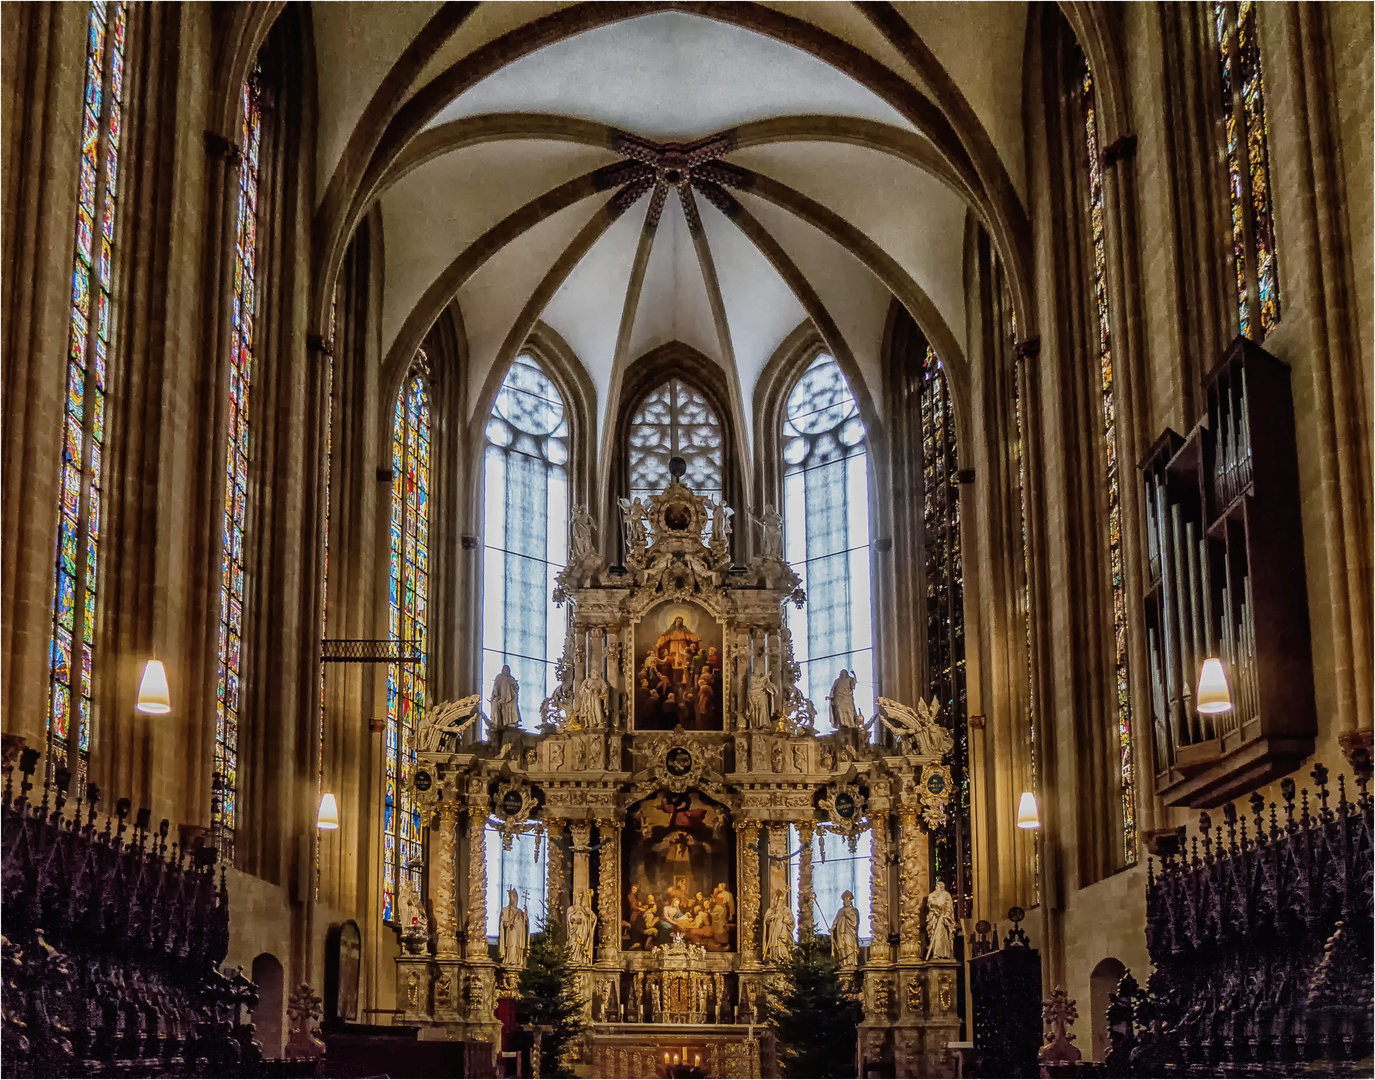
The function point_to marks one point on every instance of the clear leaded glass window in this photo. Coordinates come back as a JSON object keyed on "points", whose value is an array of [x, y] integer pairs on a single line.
{"points": [[675, 421], [835, 871], [525, 534], [522, 868], [826, 536]]}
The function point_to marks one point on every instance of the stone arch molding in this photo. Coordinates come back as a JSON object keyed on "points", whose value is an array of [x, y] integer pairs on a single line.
{"points": [[391, 132]]}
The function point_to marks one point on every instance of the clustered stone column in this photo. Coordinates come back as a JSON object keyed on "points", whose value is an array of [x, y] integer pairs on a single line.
{"points": [[477, 876], [747, 876], [878, 888], [442, 880], [806, 919], [609, 888], [912, 847]]}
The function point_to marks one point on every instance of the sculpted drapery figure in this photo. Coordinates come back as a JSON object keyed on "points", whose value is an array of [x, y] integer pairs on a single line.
{"points": [[636, 532], [940, 923], [513, 936], [505, 699], [843, 713], [583, 528], [759, 701], [590, 705], [770, 524], [778, 929], [845, 933], [582, 926]]}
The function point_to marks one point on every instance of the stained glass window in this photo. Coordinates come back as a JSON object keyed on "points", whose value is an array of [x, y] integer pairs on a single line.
{"points": [[826, 536], [1111, 474], [1248, 166], [408, 607], [675, 421], [232, 587], [525, 534], [522, 868], [835, 871], [76, 577], [945, 616]]}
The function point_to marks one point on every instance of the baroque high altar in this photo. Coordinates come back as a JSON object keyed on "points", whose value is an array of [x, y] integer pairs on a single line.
{"points": [[670, 762]]}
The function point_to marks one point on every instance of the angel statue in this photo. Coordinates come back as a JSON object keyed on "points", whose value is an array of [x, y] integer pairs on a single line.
{"points": [[636, 531], [918, 730], [448, 719]]}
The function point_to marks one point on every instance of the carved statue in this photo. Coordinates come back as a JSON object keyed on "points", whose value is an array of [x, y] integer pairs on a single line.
{"points": [[940, 923], [845, 933], [447, 719], [720, 524], [759, 702], [842, 698], [505, 700], [770, 524], [583, 528], [778, 929], [513, 937], [635, 515], [590, 702], [415, 929], [918, 730], [582, 926]]}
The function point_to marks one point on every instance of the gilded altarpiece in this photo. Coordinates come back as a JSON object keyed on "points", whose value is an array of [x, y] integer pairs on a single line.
{"points": [[669, 763]]}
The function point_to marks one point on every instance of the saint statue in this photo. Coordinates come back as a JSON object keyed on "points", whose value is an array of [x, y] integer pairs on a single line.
{"points": [[505, 699], [759, 701], [513, 937], [582, 925], [940, 923], [590, 703], [770, 524], [842, 699], [720, 524], [845, 933], [583, 528], [778, 929]]}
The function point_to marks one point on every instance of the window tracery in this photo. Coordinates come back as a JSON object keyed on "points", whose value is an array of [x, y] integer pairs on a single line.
{"points": [[408, 621], [76, 575], [232, 587], [675, 420], [826, 535], [1116, 570], [1248, 167], [525, 537]]}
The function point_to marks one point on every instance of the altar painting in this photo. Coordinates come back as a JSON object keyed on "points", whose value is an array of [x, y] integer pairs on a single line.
{"points": [[678, 670], [680, 873]]}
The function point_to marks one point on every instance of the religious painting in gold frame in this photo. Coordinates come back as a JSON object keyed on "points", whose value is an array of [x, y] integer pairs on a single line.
{"points": [[680, 669]]}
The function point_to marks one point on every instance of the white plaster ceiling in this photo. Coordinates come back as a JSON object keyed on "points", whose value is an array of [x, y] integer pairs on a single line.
{"points": [[669, 75]]}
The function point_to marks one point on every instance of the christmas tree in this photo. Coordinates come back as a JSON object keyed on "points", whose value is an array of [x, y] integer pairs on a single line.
{"points": [[815, 1019], [549, 1002]]}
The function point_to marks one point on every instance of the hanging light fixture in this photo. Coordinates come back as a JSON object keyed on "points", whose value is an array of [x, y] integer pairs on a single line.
{"points": [[1028, 816], [328, 817], [153, 695], [1213, 695]]}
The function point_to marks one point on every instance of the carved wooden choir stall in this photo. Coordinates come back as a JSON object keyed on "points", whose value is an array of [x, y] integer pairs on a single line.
{"points": [[671, 761]]}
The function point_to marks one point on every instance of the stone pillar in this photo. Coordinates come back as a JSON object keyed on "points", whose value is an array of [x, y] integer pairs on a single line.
{"points": [[582, 839], [879, 950], [442, 884], [555, 879], [806, 908], [779, 878], [747, 881], [912, 846], [609, 888], [477, 880]]}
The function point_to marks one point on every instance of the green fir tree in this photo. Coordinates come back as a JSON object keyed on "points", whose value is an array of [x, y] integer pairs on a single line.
{"points": [[549, 999], [815, 1020]]}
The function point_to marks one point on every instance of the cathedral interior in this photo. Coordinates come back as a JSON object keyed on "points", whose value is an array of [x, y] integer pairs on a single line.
{"points": [[687, 480]]}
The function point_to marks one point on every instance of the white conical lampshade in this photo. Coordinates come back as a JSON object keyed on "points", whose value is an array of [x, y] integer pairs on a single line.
{"points": [[328, 818], [1028, 816], [153, 694], [1213, 694]]}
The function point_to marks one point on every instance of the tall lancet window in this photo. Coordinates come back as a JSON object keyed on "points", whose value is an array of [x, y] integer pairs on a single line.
{"points": [[945, 613], [70, 707], [675, 421], [826, 536], [408, 604], [1112, 473], [228, 689], [1248, 167], [525, 534]]}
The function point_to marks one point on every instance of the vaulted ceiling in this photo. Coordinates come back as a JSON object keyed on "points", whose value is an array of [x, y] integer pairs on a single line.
{"points": [[631, 175]]}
